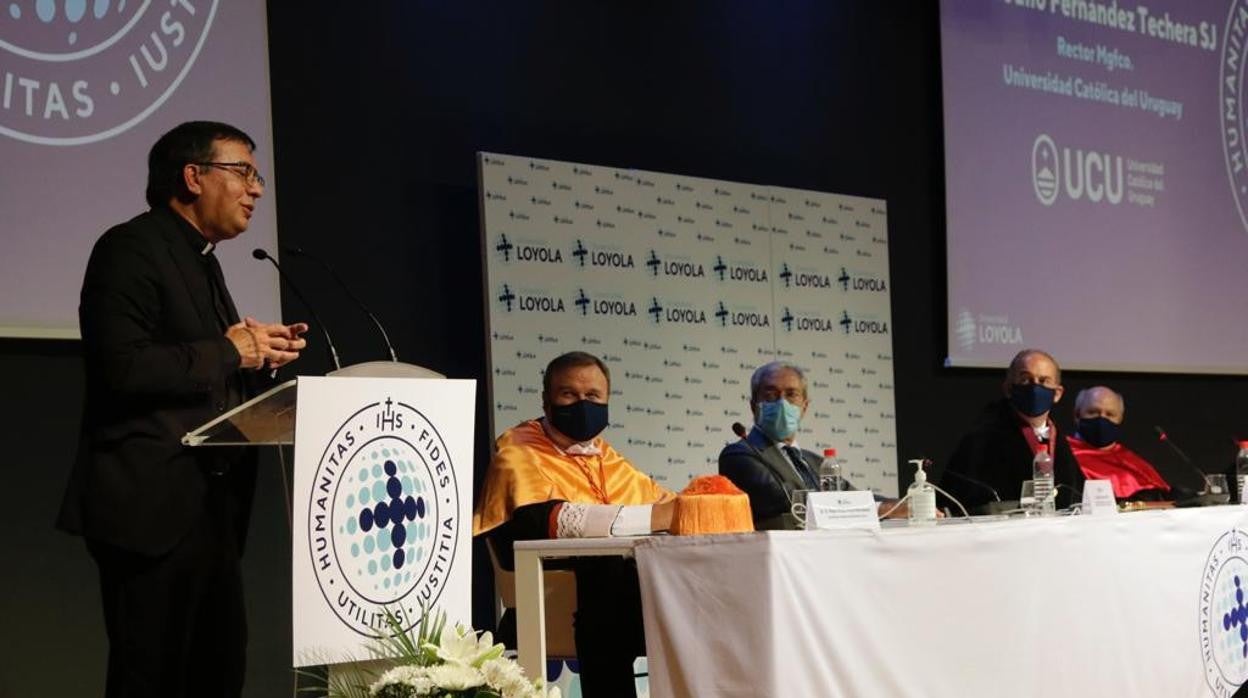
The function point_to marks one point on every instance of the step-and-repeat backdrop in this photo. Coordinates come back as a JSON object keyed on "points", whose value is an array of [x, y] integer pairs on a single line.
{"points": [[684, 286]]}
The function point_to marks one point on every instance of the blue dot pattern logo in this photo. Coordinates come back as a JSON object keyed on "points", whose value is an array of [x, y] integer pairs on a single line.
{"points": [[1238, 617], [385, 512], [386, 490], [396, 511], [1224, 614]]}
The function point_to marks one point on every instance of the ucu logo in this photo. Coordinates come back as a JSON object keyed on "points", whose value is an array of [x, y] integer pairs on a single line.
{"points": [[1083, 174]]}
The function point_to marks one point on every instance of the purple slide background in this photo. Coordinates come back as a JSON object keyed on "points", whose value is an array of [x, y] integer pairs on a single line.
{"points": [[56, 200], [1102, 286]]}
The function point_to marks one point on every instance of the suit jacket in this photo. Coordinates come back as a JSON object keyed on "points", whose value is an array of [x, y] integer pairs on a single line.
{"points": [[158, 365], [996, 453], [769, 480]]}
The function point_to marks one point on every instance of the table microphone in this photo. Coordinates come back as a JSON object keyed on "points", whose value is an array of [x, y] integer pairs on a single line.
{"points": [[259, 253], [978, 483], [1165, 438], [739, 430], [300, 252]]}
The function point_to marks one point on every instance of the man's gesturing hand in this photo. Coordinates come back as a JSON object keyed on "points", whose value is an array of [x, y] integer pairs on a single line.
{"points": [[259, 343]]}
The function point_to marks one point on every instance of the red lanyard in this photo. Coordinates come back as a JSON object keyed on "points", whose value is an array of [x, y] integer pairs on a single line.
{"points": [[1036, 444]]}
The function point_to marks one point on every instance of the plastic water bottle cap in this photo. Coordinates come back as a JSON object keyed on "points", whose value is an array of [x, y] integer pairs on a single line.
{"points": [[831, 452], [1243, 444]]}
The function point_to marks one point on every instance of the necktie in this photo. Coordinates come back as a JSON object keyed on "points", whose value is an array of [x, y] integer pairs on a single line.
{"points": [[803, 468]]}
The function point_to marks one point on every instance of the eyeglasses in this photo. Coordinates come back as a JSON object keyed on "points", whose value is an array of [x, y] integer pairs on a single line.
{"points": [[795, 396], [243, 169]]}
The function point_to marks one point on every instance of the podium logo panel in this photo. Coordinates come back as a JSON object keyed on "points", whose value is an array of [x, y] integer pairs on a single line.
{"points": [[382, 529], [1223, 614]]}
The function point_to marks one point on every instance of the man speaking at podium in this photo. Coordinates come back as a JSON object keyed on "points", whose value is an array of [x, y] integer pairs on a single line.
{"points": [[165, 351]]}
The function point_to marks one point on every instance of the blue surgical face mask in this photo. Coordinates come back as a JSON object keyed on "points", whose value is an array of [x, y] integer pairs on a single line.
{"points": [[1099, 431], [1032, 399], [778, 419]]}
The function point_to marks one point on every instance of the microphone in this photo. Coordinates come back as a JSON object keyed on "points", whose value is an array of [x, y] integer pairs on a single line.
{"points": [[1076, 495], [739, 430], [300, 252], [1165, 438], [259, 253], [978, 483]]}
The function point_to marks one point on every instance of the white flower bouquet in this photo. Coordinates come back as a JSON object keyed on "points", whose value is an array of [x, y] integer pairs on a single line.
{"points": [[433, 662]]}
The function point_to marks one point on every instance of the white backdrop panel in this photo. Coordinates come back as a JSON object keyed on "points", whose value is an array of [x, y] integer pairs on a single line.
{"points": [[684, 286]]}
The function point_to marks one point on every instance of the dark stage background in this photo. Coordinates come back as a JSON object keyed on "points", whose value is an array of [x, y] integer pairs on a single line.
{"points": [[379, 109]]}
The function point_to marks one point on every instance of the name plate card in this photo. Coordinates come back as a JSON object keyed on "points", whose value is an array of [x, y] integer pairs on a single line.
{"points": [[827, 511], [1098, 498]]}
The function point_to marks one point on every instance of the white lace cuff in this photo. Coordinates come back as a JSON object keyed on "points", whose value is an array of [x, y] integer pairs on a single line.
{"points": [[633, 521], [585, 520]]}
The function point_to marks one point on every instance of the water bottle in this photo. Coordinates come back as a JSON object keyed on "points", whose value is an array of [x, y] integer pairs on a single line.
{"points": [[1241, 471], [922, 497], [830, 472], [1042, 476]]}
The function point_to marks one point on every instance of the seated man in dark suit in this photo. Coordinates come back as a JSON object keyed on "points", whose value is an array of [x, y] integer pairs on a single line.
{"points": [[994, 458], [768, 465]]}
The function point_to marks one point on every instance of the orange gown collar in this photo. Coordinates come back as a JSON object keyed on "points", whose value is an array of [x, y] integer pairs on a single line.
{"points": [[528, 468]]}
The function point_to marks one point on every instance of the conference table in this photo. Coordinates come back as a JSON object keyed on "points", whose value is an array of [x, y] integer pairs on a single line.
{"points": [[1148, 603]]}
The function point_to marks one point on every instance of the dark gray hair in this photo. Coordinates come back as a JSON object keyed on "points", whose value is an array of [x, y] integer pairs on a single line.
{"points": [[761, 373]]}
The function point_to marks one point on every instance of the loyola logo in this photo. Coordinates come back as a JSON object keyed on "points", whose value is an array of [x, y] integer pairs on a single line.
{"points": [[740, 318], [526, 251], [679, 314], [527, 302], [603, 306], [859, 282], [601, 258], [805, 322], [737, 271]]}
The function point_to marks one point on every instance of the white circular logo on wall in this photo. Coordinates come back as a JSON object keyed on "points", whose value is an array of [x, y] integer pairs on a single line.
{"points": [[81, 71], [382, 530], [1044, 169], [1231, 105]]}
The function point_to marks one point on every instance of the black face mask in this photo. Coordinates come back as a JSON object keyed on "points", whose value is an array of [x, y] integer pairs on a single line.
{"points": [[1032, 399], [1098, 431], [581, 420]]}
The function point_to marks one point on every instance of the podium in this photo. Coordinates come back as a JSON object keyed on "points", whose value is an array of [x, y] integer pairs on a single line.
{"points": [[381, 513], [269, 418]]}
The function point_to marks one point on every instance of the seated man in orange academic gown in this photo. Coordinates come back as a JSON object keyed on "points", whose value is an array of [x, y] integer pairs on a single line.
{"points": [[1098, 417], [555, 477]]}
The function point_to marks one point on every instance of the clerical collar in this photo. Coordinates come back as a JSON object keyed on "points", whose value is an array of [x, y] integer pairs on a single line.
{"points": [[193, 237]]}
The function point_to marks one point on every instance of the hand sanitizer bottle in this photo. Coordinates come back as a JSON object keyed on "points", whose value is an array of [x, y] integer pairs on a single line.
{"points": [[922, 497]]}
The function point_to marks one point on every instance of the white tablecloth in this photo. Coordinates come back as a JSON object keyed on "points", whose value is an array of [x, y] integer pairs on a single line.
{"points": [[1127, 605]]}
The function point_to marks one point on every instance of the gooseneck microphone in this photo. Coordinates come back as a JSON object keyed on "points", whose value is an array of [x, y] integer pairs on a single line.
{"points": [[1165, 438], [300, 252], [739, 429], [259, 253], [978, 483]]}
